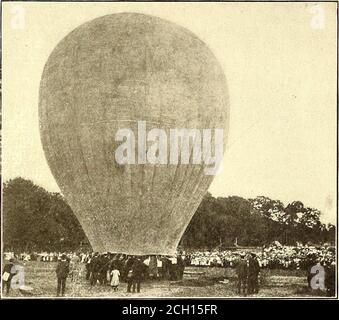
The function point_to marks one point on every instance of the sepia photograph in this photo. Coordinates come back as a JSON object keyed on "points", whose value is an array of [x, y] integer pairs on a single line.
{"points": [[169, 150]]}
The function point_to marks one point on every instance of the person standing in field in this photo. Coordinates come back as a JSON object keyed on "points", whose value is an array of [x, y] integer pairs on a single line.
{"points": [[181, 267], [153, 267], [62, 271], [115, 279], [88, 262], [128, 272], [241, 270], [135, 276], [75, 267], [95, 269], [253, 274], [8, 273]]}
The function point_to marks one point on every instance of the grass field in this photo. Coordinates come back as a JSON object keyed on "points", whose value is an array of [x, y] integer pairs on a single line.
{"points": [[205, 283]]}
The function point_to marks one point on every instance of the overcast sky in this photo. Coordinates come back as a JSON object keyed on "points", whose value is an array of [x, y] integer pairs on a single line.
{"points": [[280, 62]]}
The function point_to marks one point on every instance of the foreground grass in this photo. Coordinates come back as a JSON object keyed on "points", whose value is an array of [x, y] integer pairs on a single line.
{"points": [[198, 282]]}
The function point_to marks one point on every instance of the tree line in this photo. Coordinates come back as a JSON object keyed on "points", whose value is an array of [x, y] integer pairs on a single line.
{"points": [[35, 219], [260, 221]]}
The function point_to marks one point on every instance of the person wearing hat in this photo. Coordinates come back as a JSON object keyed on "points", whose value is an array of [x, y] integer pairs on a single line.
{"points": [[241, 270], [135, 275], [95, 269], [62, 271], [253, 274], [7, 275]]}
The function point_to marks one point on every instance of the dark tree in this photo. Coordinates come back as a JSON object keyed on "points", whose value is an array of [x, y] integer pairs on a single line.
{"points": [[35, 219]]}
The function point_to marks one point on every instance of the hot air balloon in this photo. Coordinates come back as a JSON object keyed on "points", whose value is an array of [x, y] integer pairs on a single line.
{"points": [[108, 74]]}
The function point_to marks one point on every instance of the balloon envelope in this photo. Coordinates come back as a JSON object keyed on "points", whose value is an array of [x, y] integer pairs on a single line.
{"points": [[109, 74]]}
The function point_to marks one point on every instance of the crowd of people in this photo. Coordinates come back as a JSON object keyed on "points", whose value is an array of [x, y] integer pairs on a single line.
{"points": [[275, 256], [248, 269], [112, 269], [248, 264]]}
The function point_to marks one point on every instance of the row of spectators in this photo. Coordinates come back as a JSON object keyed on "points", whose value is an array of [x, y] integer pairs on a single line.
{"points": [[273, 257], [99, 267]]}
